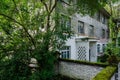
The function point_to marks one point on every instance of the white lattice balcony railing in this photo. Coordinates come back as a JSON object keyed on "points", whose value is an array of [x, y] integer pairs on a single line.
{"points": [[81, 53]]}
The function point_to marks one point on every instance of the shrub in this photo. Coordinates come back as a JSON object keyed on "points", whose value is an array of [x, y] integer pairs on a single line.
{"points": [[113, 60], [103, 58], [106, 73], [62, 77]]}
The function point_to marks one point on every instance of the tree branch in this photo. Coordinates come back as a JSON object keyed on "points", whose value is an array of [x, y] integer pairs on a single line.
{"points": [[65, 2], [53, 6], [14, 3], [10, 18], [45, 5], [29, 36], [50, 4], [111, 11]]}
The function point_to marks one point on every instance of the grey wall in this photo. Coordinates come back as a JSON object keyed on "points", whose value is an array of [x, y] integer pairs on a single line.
{"points": [[98, 26], [79, 71]]}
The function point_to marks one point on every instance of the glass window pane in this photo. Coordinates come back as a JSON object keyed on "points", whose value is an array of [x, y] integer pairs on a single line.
{"points": [[119, 41], [80, 27], [98, 48], [65, 52]]}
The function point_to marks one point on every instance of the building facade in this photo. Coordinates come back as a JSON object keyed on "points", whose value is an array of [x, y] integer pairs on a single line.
{"points": [[91, 35]]}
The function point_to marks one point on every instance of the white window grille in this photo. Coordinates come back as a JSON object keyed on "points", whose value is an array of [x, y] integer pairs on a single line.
{"points": [[81, 53]]}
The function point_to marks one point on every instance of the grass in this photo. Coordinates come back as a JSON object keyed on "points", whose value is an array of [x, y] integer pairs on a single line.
{"points": [[106, 73]]}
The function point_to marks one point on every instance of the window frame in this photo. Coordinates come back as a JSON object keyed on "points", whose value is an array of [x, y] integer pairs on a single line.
{"points": [[65, 23], [64, 20], [81, 29], [103, 33], [98, 48], [103, 47], [118, 41], [91, 31], [98, 15], [66, 52]]}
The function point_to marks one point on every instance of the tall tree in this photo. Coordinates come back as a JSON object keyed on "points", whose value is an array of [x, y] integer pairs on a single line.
{"points": [[112, 9], [32, 29]]}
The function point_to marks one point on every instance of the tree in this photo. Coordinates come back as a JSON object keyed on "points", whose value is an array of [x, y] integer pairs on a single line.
{"points": [[32, 29], [112, 51], [112, 9]]}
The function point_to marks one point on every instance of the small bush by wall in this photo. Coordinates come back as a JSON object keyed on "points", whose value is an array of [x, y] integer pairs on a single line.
{"points": [[62, 77], [106, 73]]}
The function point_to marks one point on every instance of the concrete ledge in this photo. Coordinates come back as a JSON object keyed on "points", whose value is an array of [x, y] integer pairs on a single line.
{"points": [[85, 62]]}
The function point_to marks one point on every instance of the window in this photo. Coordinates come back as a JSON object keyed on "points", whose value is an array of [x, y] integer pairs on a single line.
{"points": [[65, 26], [68, 23], [119, 41], [98, 48], [103, 47], [103, 19], [65, 21], [103, 33], [65, 52], [98, 16], [107, 33], [91, 30], [80, 27], [106, 21]]}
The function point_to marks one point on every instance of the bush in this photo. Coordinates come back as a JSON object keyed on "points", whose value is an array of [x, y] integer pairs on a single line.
{"points": [[106, 73], [61, 77], [113, 60], [103, 58]]}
